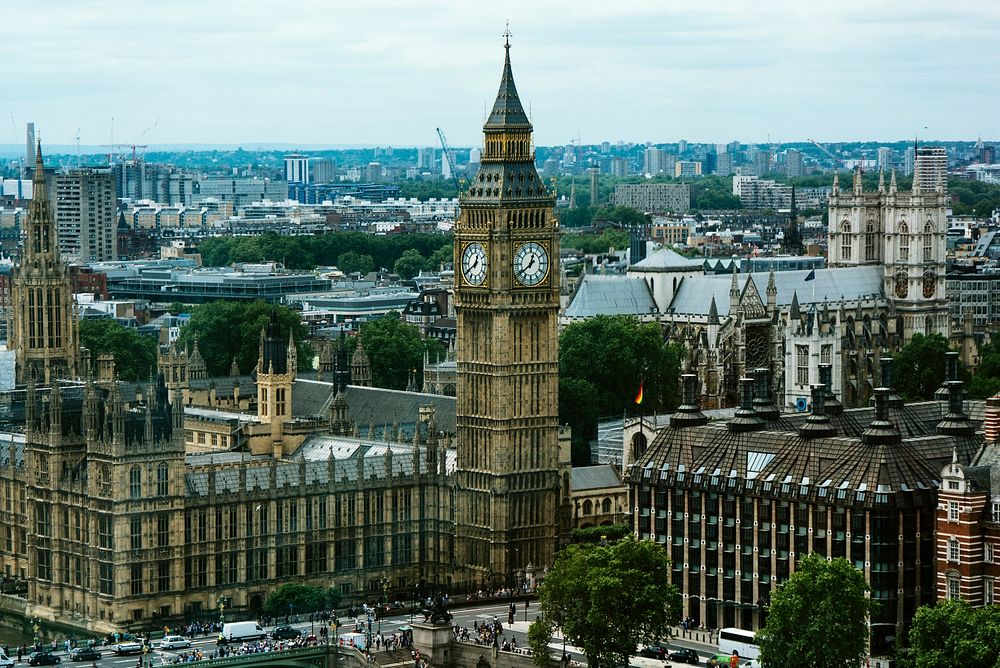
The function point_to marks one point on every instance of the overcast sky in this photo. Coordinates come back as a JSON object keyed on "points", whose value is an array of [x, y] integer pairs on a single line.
{"points": [[388, 72]]}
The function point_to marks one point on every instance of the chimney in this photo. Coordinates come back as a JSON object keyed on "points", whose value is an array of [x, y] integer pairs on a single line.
{"points": [[689, 412], [818, 424], [830, 400], [746, 418], [956, 422], [763, 402], [895, 401], [991, 425], [950, 374], [881, 431]]}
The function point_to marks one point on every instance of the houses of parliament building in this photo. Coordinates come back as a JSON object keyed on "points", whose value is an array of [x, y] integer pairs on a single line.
{"points": [[130, 505]]}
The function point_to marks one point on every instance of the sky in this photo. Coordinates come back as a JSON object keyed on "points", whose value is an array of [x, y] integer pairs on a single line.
{"points": [[388, 72]]}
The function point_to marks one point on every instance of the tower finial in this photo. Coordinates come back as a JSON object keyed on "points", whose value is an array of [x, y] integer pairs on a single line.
{"points": [[506, 36]]}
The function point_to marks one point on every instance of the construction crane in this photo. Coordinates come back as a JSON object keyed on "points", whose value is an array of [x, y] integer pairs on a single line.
{"points": [[451, 164], [836, 161]]}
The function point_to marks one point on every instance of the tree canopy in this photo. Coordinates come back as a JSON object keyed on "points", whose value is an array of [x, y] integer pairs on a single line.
{"points": [[395, 350], [225, 330], [409, 264], [919, 368], [135, 354], [602, 361], [609, 598], [986, 382], [296, 597], [306, 252], [818, 617], [597, 243], [953, 634]]}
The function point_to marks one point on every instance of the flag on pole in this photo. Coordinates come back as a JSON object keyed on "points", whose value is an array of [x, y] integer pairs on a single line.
{"points": [[638, 397], [811, 276]]}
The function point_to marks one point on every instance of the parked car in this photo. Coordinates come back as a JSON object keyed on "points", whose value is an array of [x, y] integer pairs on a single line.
{"points": [[684, 655], [131, 647], [84, 654], [43, 659], [654, 651], [173, 642], [5, 661], [285, 633]]}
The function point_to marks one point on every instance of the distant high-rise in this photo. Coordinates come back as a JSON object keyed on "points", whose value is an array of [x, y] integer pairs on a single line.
{"points": [[653, 161], [29, 156], [426, 158], [594, 178], [373, 172], [682, 146], [884, 159], [297, 168], [321, 170], [724, 164], [619, 167], [793, 163], [908, 159], [930, 168], [84, 201]]}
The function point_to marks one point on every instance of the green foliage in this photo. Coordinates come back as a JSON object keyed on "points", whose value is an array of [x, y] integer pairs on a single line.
{"points": [[307, 252], [609, 598], [818, 617], [302, 597], [953, 634], [611, 533], [919, 368], [352, 262], [442, 256], [135, 354], [710, 193], [584, 216], [597, 243], [601, 363], [395, 349], [986, 382], [232, 329], [539, 637], [973, 196], [409, 264]]}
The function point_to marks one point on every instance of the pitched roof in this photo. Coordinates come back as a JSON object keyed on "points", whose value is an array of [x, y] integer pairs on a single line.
{"points": [[611, 295], [507, 109], [594, 477], [666, 260]]}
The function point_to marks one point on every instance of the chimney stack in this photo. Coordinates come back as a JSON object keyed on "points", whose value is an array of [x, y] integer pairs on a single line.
{"points": [[895, 401], [881, 430], [818, 424], [689, 412], [950, 374], [830, 400], [763, 402], [956, 422], [746, 418]]}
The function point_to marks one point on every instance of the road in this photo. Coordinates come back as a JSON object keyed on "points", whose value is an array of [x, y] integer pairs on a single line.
{"points": [[389, 625]]}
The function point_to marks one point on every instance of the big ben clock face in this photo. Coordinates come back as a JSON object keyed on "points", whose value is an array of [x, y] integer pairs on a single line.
{"points": [[474, 263], [531, 263]]}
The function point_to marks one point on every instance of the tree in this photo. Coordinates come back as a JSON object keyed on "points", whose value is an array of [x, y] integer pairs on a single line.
{"points": [[539, 637], [135, 354], [296, 597], [409, 264], [953, 634], [609, 598], [395, 350], [919, 368], [818, 617], [986, 382], [225, 330], [352, 262], [602, 361]]}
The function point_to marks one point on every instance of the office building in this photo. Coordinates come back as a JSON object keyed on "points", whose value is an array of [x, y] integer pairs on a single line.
{"points": [[909, 157], [241, 192], [930, 171], [724, 164], [885, 162], [297, 168], [654, 197], [86, 221], [687, 168], [793, 163], [619, 167], [321, 170]]}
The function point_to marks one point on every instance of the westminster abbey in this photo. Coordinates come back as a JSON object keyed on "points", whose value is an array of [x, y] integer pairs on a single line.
{"points": [[139, 505]]}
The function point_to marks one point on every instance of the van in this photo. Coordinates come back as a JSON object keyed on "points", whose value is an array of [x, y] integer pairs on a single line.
{"points": [[240, 631]]}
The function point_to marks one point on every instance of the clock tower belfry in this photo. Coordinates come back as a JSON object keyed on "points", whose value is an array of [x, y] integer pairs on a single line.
{"points": [[507, 304]]}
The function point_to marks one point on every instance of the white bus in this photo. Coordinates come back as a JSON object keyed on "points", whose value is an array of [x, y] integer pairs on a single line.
{"points": [[741, 642]]}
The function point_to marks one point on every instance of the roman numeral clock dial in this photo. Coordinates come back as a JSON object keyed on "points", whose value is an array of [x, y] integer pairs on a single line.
{"points": [[531, 264], [474, 263]]}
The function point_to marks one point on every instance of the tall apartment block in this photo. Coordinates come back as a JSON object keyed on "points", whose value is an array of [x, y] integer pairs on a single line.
{"points": [[29, 156], [931, 168], [84, 201]]}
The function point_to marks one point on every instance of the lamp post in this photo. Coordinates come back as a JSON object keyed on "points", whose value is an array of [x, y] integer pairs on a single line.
{"points": [[145, 655], [35, 628], [368, 646], [385, 602]]}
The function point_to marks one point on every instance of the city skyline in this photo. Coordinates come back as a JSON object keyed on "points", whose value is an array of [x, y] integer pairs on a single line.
{"points": [[279, 74]]}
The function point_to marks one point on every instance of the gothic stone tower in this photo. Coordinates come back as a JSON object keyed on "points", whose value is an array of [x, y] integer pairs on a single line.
{"points": [[506, 302], [43, 330]]}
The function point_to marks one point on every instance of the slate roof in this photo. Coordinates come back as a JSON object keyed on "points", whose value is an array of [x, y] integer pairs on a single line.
{"points": [[666, 259], [594, 477], [611, 295], [381, 406], [694, 294]]}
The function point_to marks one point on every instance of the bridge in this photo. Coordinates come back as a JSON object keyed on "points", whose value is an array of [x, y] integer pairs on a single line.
{"points": [[319, 656]]}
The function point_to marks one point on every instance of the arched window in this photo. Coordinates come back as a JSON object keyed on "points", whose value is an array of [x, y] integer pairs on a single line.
{"points": [[870, 241], [606, 506], [162, 479], [638, 445], [135, 482], [588, 507], [904, 242], [845, 241], [928, 243]]}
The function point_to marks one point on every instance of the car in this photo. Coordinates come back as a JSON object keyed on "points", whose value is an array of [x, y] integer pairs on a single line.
{"points": [[43, 659], [131, 647], [84, 654], [285, 633], [5, 661], [654, 651], [684, 655], [174, 642]]}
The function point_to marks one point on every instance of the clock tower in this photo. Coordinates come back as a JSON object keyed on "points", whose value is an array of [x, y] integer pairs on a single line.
{"points": [[507, 303]]}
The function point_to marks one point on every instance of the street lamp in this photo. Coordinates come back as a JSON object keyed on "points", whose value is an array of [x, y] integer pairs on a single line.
{"points": [[385, 602], [222, 609], [35, 628]]}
